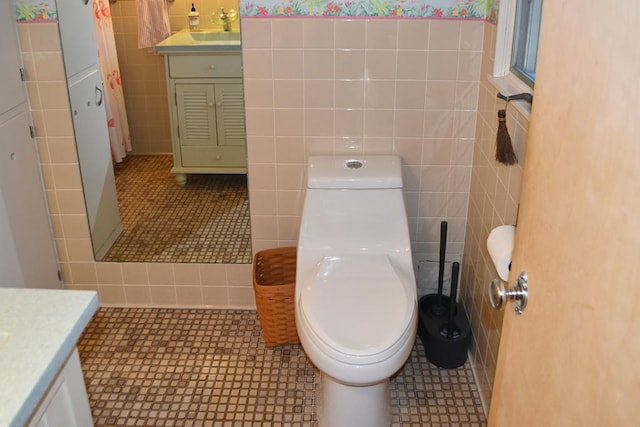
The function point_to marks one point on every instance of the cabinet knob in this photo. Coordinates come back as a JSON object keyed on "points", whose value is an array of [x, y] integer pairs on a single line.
{"points": [[212, 66], [218, 156]]}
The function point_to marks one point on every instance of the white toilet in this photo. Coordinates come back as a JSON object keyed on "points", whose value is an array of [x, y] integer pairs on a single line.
{"points": [[355, 306]]}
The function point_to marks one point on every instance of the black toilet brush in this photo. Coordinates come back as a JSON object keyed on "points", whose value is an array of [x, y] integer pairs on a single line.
{"points": [[450, 330], [439, 309]]}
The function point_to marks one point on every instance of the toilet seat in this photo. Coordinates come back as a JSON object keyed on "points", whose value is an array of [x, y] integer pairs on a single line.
{"points": [[357, 305]]}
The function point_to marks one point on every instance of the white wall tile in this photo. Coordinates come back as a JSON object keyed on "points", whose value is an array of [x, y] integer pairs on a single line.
{"points": [[314, 94]]}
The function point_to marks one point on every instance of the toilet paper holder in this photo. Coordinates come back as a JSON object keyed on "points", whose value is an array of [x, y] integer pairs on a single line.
{"points": [[498, 295]]}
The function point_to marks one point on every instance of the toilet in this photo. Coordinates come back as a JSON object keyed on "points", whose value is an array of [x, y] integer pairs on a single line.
{"points": [[355, 294]]}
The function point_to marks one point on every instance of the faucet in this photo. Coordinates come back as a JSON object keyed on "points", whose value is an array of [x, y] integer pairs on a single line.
{"points": [[226, 19]]}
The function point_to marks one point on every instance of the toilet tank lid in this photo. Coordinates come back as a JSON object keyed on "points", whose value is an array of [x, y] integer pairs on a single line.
{"points": [[354, 172]]}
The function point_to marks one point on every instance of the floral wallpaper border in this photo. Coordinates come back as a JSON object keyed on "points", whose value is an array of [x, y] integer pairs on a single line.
{"points": [[438, 9], [36, 11], [46, 11]]}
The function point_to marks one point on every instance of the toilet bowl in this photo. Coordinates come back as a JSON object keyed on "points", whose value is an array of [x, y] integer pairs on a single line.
{"points": [[355, 296]]}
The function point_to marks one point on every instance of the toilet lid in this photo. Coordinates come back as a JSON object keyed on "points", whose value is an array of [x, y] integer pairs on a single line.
{"points": [[357, 304]]}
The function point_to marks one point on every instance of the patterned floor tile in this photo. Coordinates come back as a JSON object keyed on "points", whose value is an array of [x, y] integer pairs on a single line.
{"points": [[197, 367], [206, 221]]}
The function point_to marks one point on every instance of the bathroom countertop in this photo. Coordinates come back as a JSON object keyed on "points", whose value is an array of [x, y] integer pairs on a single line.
{"points": [[38, 330], [201, 41]]}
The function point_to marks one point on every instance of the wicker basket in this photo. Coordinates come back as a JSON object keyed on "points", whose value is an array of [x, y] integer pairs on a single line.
{"points": [[274, 277]]}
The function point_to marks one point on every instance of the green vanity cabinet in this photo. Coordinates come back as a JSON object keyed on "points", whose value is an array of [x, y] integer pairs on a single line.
{"points": [[207, 113]]}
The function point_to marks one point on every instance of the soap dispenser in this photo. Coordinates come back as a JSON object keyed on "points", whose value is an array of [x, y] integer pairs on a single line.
{"points": [[194, 18]]}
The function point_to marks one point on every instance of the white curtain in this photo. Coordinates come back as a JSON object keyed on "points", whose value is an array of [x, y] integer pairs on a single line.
{"points": [[114, 100]]}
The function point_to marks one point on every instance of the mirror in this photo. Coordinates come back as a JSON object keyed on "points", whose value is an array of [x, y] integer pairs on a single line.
{"points": [[202, 217], [204, 221]]}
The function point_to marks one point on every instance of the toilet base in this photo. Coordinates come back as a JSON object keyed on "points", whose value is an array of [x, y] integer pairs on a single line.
{"points": [[340, 405]]}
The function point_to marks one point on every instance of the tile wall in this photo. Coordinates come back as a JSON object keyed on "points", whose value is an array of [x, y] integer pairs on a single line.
{"points": [[322, 86], [493, 201], [315, 86], [312, 86], [143, 72]]}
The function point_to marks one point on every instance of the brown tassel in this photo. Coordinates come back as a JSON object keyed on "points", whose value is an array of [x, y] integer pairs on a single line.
{"points": [[504, 149]]}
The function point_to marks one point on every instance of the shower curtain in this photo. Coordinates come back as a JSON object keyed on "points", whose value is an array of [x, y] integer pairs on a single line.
{"points": [[114, 96]]}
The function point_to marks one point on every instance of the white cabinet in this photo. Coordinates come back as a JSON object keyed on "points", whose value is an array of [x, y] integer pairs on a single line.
{"points": [[26, 240], [41, 380], [13, 92], [86, 94], [24, 222], [207, 114], [66, 403], [77, 34]]}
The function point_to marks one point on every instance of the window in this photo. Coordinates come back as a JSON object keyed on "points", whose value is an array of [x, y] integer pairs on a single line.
{"points": [[526, 34], [517, 42]]}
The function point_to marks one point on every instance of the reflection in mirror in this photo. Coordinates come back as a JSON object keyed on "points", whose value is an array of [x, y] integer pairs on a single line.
{"points": [[206, 220], [204, 216]]}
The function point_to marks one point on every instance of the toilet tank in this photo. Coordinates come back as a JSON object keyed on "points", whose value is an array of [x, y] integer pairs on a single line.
{"points": [[364, 172], [354, 205]]}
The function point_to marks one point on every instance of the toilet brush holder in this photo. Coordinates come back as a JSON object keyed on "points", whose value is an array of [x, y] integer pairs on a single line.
{"points": [[446, 336], [434, 306], [431, 308], [446, 350]]}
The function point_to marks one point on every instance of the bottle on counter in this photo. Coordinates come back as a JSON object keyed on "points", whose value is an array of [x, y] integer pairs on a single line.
{"points": [[194, 18]]}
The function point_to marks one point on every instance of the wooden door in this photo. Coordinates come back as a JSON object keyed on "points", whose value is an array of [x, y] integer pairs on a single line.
{"points": [[573, 357]]}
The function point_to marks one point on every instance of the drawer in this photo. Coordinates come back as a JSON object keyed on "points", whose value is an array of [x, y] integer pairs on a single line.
{"points": [[235, 157], [202, 66]]}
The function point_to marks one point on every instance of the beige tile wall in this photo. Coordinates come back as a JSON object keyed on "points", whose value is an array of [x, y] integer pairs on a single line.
{"points": [[321, 86], [143, 73], [312, 86], [493, 201], [315, 86]]}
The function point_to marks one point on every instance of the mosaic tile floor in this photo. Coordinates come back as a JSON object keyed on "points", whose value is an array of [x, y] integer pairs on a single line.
{"points": [[196, 367], [206, 221]]}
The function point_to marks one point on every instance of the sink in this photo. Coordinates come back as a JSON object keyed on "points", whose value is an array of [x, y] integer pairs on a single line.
{"points": [[203, 40]]}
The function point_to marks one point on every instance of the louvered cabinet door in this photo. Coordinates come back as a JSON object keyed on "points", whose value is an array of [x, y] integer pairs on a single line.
{"points": [[230, 114], [210, 127], [207, 114], [196, 114]]}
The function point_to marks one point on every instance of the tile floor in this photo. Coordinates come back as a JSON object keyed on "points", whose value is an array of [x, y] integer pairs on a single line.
{"points": [[200, 367], [206, 221]]}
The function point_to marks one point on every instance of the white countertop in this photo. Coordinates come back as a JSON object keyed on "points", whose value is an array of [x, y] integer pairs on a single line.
{"points": [[38, 330], [201, 41]]}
